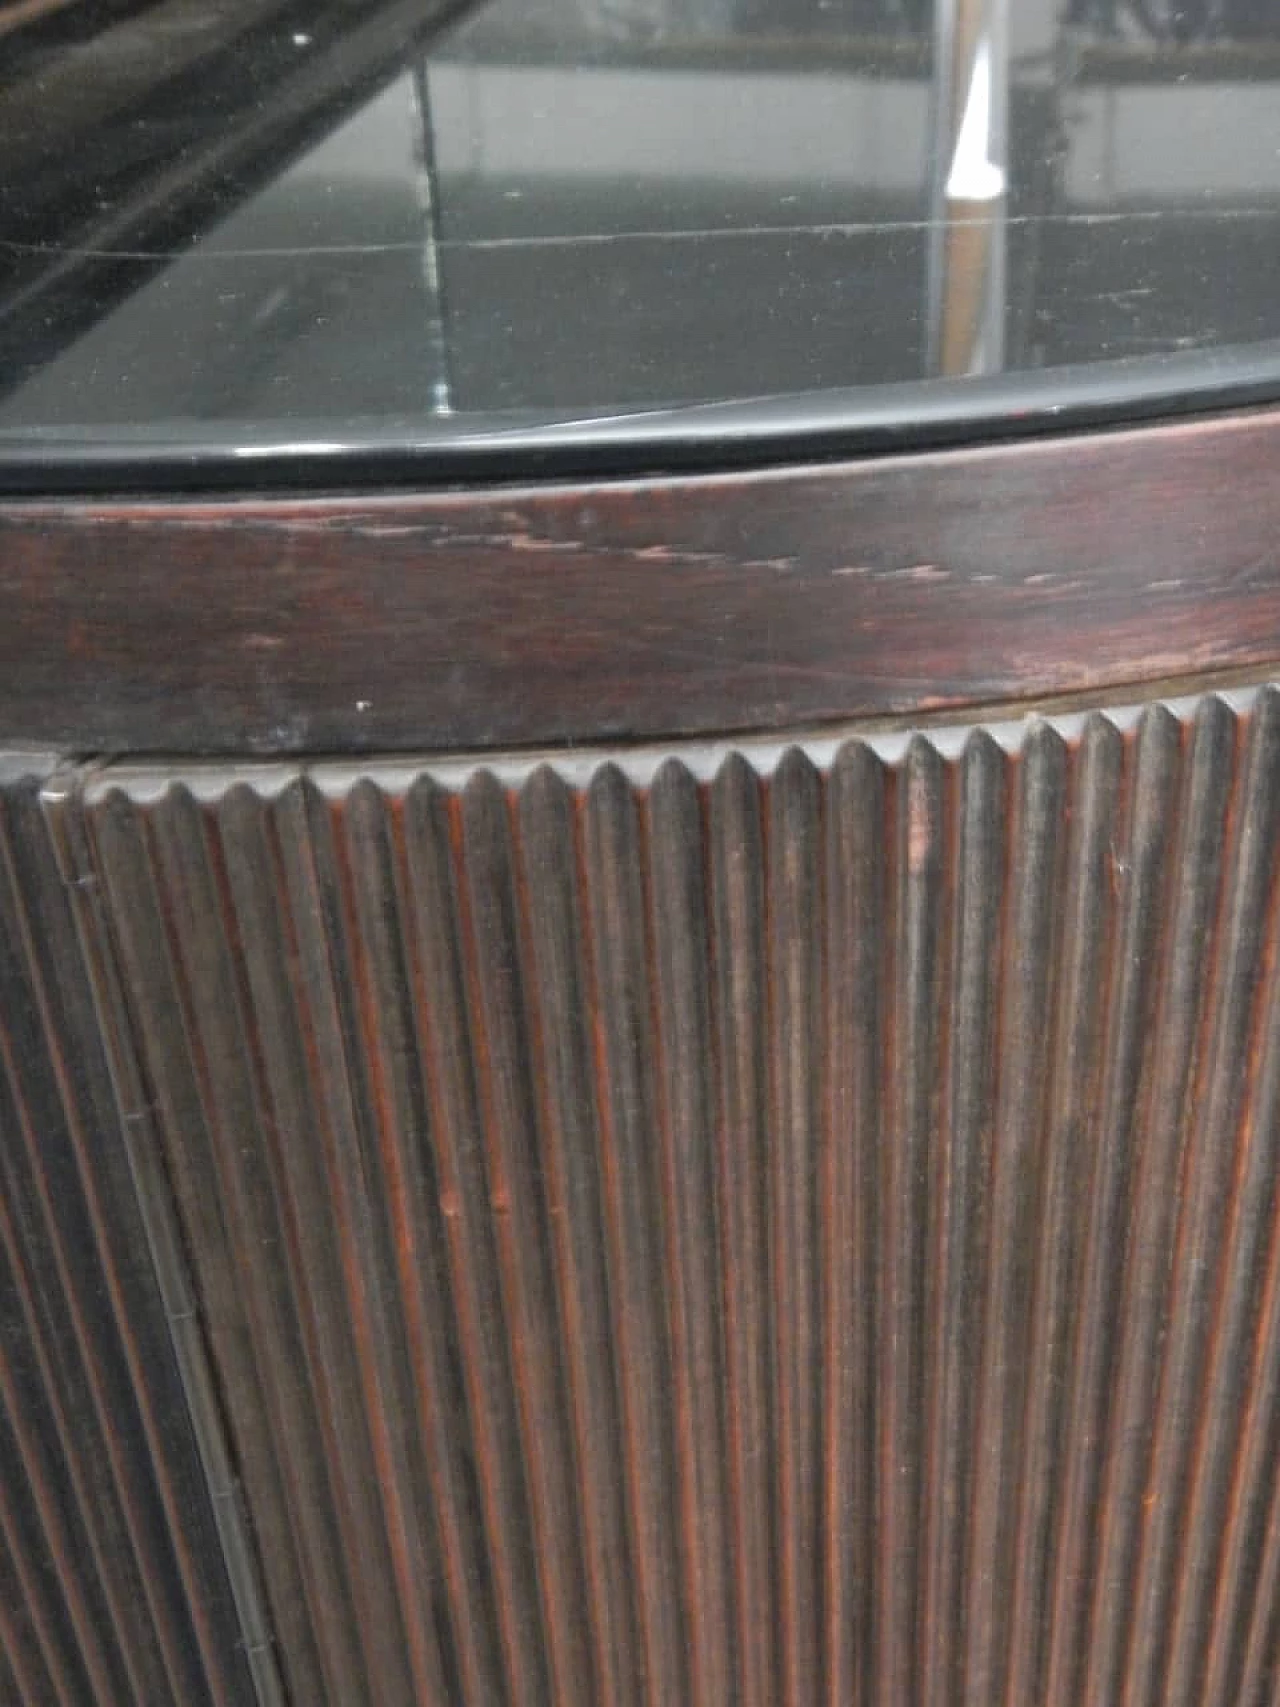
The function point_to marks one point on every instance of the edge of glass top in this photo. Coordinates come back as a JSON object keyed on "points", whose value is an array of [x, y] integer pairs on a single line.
{"points": [[426, 452]]}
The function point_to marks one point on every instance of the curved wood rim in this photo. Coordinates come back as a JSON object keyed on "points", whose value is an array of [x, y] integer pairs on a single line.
{"points": [[648, 608]]}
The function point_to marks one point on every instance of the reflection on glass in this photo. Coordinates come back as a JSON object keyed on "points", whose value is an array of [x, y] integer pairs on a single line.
{"points": [[285, 219], [970, 155]]}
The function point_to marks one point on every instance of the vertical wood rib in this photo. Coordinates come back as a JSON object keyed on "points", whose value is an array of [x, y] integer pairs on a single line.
{"points": [[1242, 1593], [960, 1167], [911, 1057], [793, 998], [736, 860], [620, 1010], [682, 1026], [738, 1225], [857, 937], [1014, 1108]]}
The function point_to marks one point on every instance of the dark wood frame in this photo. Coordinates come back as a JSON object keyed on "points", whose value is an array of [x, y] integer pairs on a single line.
{"points": [[647, 608]]}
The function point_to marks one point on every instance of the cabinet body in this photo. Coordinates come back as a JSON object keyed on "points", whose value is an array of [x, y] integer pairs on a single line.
{"points": [[648, 1092]]}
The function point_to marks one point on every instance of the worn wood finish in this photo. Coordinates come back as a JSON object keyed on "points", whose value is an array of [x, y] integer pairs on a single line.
{"points": [[734, 1223], [119, 1538], [751, 600]]}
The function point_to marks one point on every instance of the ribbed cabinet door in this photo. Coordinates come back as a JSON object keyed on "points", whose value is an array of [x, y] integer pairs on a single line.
{"points": [[746, 1224], [116, 1566]]}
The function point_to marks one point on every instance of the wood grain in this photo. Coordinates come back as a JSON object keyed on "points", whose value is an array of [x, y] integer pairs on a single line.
{"points": [[751, 1221], [756, 600], [125, 1574]]}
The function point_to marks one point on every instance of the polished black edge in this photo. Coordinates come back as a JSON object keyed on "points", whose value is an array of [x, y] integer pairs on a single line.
{"points": [[814, 426]]}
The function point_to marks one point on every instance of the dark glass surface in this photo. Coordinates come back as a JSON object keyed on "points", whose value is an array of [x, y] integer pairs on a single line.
{"points": [[270, 230]]}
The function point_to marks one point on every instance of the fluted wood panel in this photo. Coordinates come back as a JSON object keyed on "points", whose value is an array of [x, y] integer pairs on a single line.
{"points": [[751, 1224], [114, 1586]]}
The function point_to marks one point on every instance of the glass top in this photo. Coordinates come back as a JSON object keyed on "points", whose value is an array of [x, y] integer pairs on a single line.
{"points": [[549, 228]]}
